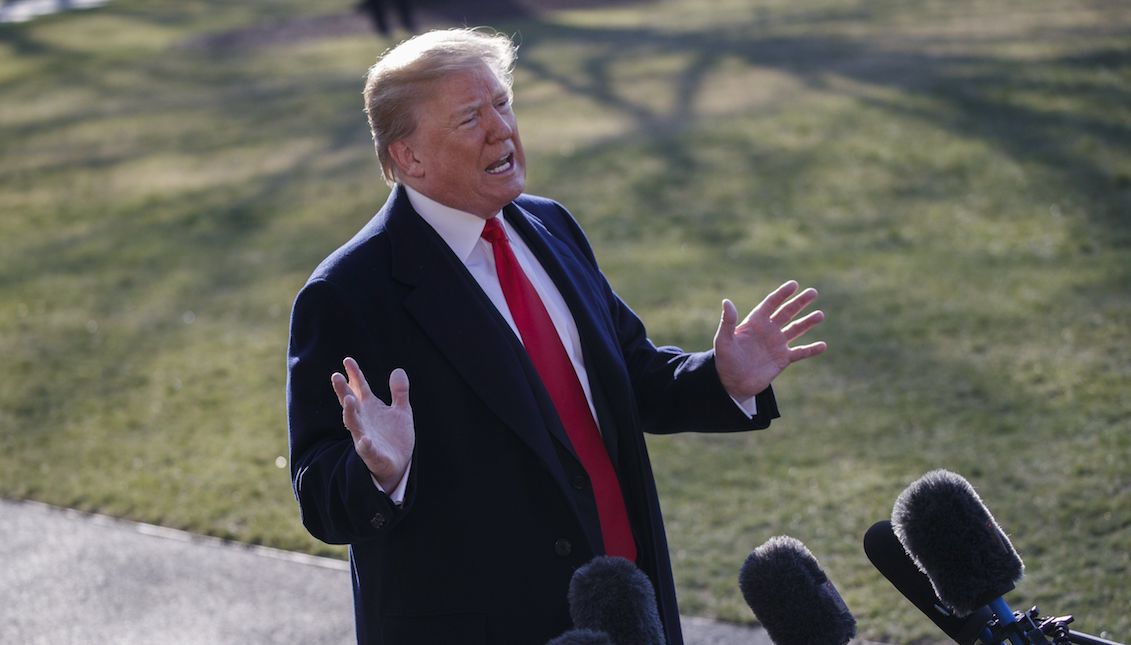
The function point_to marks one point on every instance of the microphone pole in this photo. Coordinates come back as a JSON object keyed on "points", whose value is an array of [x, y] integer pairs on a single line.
{"points": [[1018, 628]]}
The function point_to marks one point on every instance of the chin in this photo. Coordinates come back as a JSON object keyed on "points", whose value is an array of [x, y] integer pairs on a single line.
{"points": [[520, 184], [516, 189]]}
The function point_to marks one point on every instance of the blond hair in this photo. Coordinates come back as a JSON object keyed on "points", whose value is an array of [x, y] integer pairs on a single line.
{"points": [[399, 79]]}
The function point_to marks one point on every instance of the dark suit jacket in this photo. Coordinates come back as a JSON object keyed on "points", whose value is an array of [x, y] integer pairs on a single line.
{"points": [[498, 512]]}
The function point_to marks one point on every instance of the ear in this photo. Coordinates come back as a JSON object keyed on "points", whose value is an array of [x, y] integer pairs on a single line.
{"points": [[404, 156]]}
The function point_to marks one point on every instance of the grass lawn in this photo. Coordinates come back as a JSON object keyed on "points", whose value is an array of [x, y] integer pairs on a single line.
{"points": [[955, 177]]}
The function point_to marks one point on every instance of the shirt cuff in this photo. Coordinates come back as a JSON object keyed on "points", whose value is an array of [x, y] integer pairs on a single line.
{"points": [[397, 494], [748, 406]]}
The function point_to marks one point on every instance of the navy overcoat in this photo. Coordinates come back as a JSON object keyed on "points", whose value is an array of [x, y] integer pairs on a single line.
{"points": [[498, 512]]}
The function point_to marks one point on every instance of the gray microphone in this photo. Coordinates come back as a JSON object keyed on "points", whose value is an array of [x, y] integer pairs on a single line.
{"points": [[611, 595], [792, 597], [953, 538]]}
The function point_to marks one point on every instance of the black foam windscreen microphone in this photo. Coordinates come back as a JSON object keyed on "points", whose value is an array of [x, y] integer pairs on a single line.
{"points": [[611, 595], [888, 556], [792, 597], [952, 537]]}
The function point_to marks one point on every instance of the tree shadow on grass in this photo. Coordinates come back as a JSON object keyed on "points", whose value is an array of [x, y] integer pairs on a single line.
{"points": [[970, 95]]}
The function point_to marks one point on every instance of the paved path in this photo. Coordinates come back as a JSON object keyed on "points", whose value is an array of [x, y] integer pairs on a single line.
{"points": [[72, 578], [25, 10]]}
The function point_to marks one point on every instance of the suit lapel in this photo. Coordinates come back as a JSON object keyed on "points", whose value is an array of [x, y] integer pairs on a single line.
{"points": [[459, 319], [581, 295]]}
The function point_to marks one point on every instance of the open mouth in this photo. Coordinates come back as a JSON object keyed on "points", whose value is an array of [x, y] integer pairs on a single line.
{"points": [[502, 165]]}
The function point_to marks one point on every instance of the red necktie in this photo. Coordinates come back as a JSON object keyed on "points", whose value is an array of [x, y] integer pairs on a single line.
{"points": [[550, 359]]}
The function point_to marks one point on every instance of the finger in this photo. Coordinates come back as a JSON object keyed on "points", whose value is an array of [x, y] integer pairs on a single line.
{"points": [[398, 388], [806, 351], [350, 417], [342, 388], [797, 328], [338, 381], [728, 319], [777, 297], [794, 306], [357, 379]]}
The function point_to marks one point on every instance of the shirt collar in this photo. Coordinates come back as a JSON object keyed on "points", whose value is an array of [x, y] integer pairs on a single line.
{"points": [[459, 229]]}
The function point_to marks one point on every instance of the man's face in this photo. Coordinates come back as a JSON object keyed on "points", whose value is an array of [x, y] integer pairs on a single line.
{"points": [[465, 152]]}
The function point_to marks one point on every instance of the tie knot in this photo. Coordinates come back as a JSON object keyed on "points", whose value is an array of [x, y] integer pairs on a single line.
{"points": [[493, 232]]}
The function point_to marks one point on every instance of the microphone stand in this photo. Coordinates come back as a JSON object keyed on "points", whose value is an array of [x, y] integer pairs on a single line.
{"points": [[1057, 629], [1030, 629]]}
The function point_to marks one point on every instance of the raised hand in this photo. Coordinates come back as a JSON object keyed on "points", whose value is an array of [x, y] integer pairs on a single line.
{"points": [[383, 435], [749, 355]]}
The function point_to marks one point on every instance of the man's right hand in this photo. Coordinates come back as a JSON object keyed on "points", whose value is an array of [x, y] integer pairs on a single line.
{"points": [[383, 435]]}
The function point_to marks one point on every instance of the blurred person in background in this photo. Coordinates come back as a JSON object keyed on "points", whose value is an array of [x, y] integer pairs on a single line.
{"points": [[377, 12]]}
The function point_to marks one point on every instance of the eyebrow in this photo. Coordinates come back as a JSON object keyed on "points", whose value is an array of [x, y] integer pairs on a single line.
{"points": [[465, 110], [472, 107]]}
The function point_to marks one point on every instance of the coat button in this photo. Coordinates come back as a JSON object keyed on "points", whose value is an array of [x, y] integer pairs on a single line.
{"points": [[563, 547], [377, 521], [578, 482]]}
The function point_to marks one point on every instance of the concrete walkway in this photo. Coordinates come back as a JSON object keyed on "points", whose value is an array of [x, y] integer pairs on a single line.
{"points": [[25, 10], [71, 578]]}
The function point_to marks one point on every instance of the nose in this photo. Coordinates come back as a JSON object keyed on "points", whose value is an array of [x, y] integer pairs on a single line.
{"points": [[501, 126]]}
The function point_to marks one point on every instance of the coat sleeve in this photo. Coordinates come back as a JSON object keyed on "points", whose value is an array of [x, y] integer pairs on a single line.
{"points": [[675, 390], [337, 497]]}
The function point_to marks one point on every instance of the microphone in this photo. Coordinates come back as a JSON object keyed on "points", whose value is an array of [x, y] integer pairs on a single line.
{"points": [[969, 562], [889, 557], [792, 597], [952, 537], [582, 637], [611, 595]]}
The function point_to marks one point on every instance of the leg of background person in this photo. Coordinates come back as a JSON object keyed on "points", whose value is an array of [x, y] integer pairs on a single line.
{"points": [[405, 9], [375, 9]]}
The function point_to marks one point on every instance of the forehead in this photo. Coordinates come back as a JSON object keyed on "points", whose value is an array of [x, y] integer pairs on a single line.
{"points": [[463, 87]]}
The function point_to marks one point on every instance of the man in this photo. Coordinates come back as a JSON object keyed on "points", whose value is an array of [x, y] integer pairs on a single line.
{"points": [[522, 455]]}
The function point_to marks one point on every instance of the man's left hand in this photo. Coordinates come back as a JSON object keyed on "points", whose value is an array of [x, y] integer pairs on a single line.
{"points": [[750, 355]]}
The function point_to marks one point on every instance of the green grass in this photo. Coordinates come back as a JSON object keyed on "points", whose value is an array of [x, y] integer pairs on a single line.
{"points": [[953, 176]]}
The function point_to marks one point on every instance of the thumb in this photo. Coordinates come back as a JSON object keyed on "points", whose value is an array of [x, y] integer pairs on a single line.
{"points": [[368, 453], [364, 447], [728, 321], [398, 388]]}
